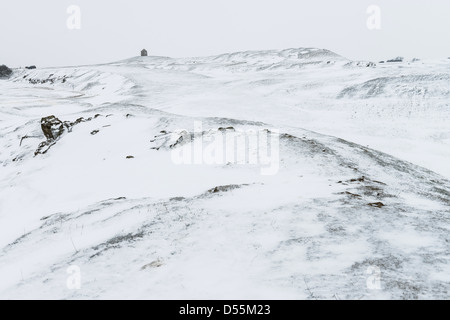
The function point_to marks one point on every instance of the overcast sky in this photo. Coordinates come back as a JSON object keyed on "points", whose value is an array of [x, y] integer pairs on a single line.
{"points": [[35, 32]]}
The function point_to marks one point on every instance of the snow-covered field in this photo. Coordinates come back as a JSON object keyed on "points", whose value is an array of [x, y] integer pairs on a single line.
{"points": [[358, 206]]}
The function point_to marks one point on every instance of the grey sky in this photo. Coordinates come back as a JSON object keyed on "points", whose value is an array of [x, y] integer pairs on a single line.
{"points": [[35, 32]]}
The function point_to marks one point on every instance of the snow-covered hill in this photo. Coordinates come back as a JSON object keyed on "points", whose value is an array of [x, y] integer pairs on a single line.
{"points": [[359, 189]]}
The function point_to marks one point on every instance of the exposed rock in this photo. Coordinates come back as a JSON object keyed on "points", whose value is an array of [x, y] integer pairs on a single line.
{"points": [[352, 195], [154, 264], [226, 129], [52, 127], [367, 64], [288, 136], [80, 120], [51, 79], [5, 71], [362, 179], [178, 199], [44, 147], [398, 59], [224, 188], [377, 204], [130, 157], [26, 137], [30, 67], [178, 142]]}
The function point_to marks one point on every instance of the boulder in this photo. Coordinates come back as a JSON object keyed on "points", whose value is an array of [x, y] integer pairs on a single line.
{"points": [[52, 127]]}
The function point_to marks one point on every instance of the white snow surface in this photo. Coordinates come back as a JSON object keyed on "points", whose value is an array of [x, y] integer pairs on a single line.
{"points": [[352, 134]]}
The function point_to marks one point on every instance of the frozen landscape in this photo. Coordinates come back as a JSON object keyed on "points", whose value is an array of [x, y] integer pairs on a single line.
{"points": [[357, 205]]}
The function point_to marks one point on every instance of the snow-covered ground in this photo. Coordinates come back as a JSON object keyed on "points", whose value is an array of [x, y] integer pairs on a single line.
{"points": [[360, 191]]}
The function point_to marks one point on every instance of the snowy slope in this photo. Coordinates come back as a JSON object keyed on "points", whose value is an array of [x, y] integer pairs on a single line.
{"points": [[362, 182]]}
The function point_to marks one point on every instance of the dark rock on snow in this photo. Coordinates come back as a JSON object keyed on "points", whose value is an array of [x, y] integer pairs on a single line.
{"points": [[5, 71], [377, 204], [53, 129], [398, 59]]}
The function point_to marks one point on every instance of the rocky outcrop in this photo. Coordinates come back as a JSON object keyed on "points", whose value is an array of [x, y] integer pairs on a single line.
{"points": [[52, 79], [5, 72], [398, 59], [53, 129]]}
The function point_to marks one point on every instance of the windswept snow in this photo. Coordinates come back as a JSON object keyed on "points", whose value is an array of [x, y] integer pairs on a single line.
{"points": [[361, 190]]}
